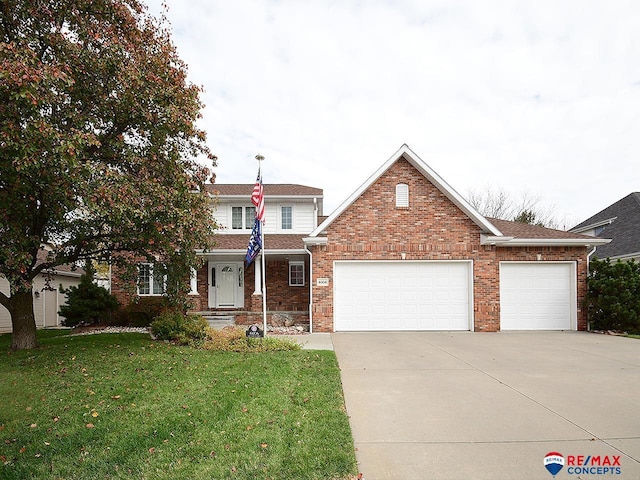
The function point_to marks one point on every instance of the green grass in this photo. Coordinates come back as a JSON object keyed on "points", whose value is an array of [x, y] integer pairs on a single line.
{"points": [[115, 406]]}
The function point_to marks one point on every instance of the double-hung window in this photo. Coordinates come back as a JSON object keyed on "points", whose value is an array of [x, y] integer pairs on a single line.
{"points": [[242, 218], [148, 283]]}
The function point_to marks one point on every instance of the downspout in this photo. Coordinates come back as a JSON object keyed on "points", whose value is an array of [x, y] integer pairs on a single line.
{"points": [[587, 292], [310, 288]]}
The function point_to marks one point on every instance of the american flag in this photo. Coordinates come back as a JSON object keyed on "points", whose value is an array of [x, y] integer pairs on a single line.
{"points": [[255, 243], [257, 197]]}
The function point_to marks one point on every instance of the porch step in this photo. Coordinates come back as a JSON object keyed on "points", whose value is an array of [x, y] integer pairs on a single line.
{"points": [[218, 322]]}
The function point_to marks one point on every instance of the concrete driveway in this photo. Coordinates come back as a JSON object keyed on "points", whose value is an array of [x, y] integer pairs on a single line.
{"points": [[442, 405]]}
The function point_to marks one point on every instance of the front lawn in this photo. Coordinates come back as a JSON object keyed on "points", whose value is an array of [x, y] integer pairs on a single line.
{"points": [[114, 406]]}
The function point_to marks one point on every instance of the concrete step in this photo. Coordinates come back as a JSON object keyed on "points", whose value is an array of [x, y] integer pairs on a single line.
{"points": [[218, 322]]}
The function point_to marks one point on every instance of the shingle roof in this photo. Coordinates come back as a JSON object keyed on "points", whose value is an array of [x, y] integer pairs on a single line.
{"points": [[525, 230], [625, 229], [272, 242], [275, 189]]}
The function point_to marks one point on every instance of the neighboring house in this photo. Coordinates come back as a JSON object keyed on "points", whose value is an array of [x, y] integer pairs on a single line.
{"points": [[47, 299], [621, 223], [404, 252]]}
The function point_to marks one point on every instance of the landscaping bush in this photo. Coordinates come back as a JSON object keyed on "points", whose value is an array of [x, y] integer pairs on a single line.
{"points": [[87, 303], [613, 296], [142, 311], [233, 339], [180, 328]]}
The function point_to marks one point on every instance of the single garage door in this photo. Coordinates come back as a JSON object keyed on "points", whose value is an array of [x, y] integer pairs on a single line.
{"points": [[537, 296], [402, 295]]}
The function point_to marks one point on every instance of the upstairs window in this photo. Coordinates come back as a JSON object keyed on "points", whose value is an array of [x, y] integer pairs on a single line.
{"points": [[402, 195], [242, 218], [286, 222]]}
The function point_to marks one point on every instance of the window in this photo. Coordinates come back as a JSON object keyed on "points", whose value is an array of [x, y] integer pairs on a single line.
{"points": [[286, 221], [249, 217], [402, 195], [148, 284], [296, 274], [242, 218]]}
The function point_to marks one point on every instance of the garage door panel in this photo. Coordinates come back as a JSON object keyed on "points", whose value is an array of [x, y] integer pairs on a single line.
{"points": [[403, 296], [537, 296]]}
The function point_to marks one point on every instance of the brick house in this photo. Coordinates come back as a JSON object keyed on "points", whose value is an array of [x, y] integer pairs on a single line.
{"points": [[404, 252]]}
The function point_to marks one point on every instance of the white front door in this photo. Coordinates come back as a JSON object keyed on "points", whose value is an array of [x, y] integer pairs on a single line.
{"points": [[226, 282]]}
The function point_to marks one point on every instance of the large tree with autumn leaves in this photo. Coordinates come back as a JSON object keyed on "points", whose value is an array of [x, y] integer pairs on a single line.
{"points": [[100, 155]]}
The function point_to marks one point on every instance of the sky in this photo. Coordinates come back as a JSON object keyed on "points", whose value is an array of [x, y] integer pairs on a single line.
{"points": [[537, 98]]}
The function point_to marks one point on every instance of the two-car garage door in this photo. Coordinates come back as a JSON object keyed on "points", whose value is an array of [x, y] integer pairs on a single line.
{"points": [[437, 295], [402, 295]]}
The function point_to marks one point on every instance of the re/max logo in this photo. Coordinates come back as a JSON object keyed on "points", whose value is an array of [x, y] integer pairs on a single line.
{"points": [[593, 460]]}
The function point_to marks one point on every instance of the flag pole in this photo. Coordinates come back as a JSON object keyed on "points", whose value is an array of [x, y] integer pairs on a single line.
{"points": [[260, 158]]}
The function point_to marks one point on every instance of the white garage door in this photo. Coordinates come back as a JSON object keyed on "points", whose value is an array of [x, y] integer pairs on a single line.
{"points": [[537, 296], [402, 295]]}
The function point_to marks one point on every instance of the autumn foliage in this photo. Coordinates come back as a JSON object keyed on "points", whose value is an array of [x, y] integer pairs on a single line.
{"points": [[100, 153]]}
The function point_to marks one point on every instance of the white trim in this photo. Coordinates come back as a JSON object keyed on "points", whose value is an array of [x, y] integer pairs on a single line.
{"points": [[427, 172], [591, 226], [542, 242]]}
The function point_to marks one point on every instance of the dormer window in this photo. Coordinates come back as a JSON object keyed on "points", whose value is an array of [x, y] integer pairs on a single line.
{"points": [[402, 195]]}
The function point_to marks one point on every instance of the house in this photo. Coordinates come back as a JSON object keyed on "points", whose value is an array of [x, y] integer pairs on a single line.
{"points": [[224, 289], [47, 298], [620, 222], [405, 251]]}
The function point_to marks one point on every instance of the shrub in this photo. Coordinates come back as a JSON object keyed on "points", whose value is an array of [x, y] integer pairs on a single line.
{"points": [[87, 303], [613, 296], [233, 339], [180, 328], [142, 311]]}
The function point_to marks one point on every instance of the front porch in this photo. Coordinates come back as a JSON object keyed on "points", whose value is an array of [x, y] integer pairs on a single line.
{"points": [[230, 294]]}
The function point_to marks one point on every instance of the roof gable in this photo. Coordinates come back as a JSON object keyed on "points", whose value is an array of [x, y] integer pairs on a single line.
{"points": [[407, 154]]}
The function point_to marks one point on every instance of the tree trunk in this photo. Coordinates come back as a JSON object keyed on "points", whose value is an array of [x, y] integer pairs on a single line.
{"points": [[23, 320]]}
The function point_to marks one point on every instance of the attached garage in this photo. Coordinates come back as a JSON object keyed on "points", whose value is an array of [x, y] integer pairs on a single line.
{"points": [[538, 296], [402, 295]]}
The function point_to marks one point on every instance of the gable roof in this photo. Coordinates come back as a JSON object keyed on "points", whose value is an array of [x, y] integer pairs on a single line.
{"points": [[621, 222], [270, 190], [411, 157], [495, 232]]}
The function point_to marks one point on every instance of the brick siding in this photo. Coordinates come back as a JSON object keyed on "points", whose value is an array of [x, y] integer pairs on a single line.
{"points": [[431, 228]]}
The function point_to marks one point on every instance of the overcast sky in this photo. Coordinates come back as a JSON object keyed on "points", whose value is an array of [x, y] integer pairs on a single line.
{"points": [[528, 96]]}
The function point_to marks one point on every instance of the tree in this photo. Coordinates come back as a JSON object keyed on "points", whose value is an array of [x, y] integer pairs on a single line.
{"points": [[99, 148], [87, 302], [613, 295], [500, 204]]}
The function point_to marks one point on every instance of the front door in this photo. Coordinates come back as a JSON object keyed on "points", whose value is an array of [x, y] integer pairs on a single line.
{"points": [[225, 285]]}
